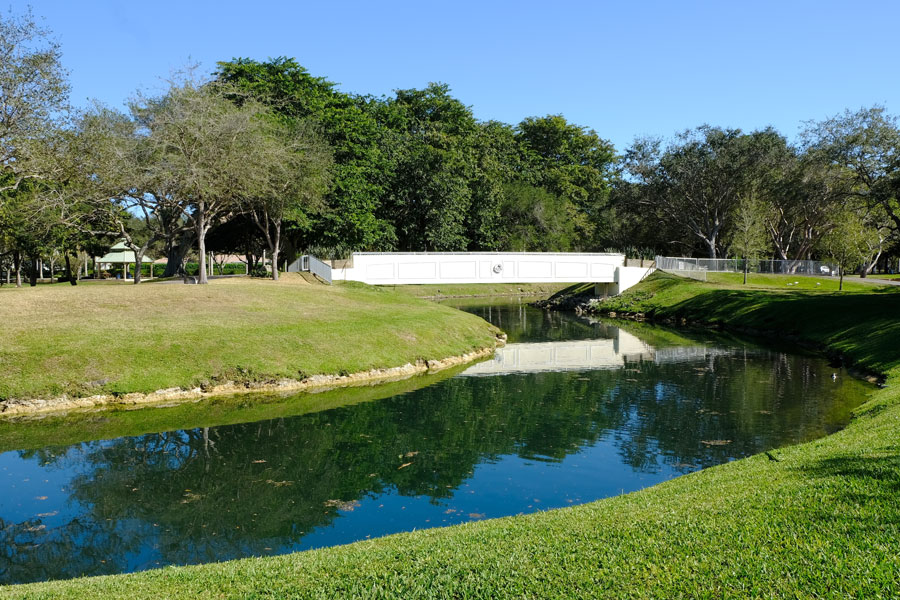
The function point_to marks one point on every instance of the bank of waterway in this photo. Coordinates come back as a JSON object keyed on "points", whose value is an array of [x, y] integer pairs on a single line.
{"points": [[170, 396], [571, 411]]}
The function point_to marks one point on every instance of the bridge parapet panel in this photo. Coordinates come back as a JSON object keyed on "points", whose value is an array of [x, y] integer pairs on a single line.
{"points": [[399, 268]]}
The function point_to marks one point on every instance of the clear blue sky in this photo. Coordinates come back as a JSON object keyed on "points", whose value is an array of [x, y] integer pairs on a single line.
{"points": [[622, 68]]}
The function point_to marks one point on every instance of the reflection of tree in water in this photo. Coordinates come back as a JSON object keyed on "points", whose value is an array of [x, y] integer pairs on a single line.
{"points": [[215, 493], [29, 551], [701, 414]]}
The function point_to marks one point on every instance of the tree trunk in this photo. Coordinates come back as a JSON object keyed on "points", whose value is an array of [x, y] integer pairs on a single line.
{"points": [[176, 251], [138, 261], [34, 273], [175, 259], [868, 267], [17, 261], [276, 250], [201, 242], [253, 261], [745, 270], [73, 278], [841, 281]]}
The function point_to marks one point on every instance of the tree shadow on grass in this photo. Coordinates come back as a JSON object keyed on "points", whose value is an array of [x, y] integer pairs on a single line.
{"points": [[872, 471], [865, 326], [862, 493]]}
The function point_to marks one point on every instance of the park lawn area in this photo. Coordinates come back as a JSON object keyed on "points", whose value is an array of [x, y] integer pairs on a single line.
{"points": [[791, 282], [821, 519], [86, 340]]}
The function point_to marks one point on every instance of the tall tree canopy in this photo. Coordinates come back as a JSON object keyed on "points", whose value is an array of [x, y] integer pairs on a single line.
{"points": [[574, 163], [865, 144], [361, 167], [698, 180], [33, 96], [278, 158]]}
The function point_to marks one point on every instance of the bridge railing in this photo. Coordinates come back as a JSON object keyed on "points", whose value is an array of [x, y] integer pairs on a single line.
{"points": [[310, 264], [319, 269]]}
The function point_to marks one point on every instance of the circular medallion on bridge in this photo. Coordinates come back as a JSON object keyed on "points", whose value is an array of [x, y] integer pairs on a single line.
{"points": [[498, 267]]}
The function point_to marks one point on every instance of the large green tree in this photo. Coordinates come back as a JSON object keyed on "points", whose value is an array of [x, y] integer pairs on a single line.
{"points": [[292, 176], [804, 204], [33, 100], [535, 220], [865, 144], [698, 180], [208, 148], [361, 168], [575, 164], [430, 196], [33, 96]]}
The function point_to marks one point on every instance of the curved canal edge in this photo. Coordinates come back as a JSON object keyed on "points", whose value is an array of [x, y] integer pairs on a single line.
{"points": [[322, 382], [812, 520], [818, 519], [836, 324]]}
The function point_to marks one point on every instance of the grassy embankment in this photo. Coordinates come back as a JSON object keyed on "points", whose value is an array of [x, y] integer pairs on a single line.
{"points": [[821, 520], [477, 290], [794, 282], [116, 339], [32, 431]]}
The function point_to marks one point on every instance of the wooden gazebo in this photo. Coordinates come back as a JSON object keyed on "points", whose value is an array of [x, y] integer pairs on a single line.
{"points": [[120, 254]]}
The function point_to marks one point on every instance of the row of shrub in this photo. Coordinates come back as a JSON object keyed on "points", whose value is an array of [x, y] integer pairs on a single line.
{"points": [[194, 269], [159, 270]]}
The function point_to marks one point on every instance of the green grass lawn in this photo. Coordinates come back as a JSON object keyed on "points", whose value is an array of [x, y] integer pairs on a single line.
{"points": [[885, 276], [863, 324], [788, 282], [123, 338], [818, 520]]}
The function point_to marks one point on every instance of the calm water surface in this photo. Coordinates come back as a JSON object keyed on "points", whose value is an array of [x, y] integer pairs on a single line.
{"points": [[569, 412]]}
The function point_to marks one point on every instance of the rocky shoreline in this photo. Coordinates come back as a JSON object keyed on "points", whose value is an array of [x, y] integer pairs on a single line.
{"points": [[577, 303], [26, 406]]}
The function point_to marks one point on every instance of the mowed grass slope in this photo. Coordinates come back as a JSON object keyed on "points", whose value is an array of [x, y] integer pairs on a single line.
{"points": [[863, 324], [92, 339], [794, 282], [818, 520]]}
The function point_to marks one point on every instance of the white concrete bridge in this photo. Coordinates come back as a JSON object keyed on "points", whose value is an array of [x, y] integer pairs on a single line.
{"points": [[586, 355], [404, 268], [581, 355]]}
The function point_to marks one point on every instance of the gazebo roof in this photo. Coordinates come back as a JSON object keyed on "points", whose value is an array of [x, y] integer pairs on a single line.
{"points": [[120, 253]]}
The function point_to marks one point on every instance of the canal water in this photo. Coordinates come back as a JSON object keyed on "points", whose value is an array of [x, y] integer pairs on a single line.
{"points": [[572, 410]]}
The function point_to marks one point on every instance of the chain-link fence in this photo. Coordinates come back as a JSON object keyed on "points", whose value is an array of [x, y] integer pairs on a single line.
{"points": [[698, 267]]}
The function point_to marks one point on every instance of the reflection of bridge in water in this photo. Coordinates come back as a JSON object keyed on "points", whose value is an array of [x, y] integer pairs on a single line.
{"points": [[583, 355]]}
